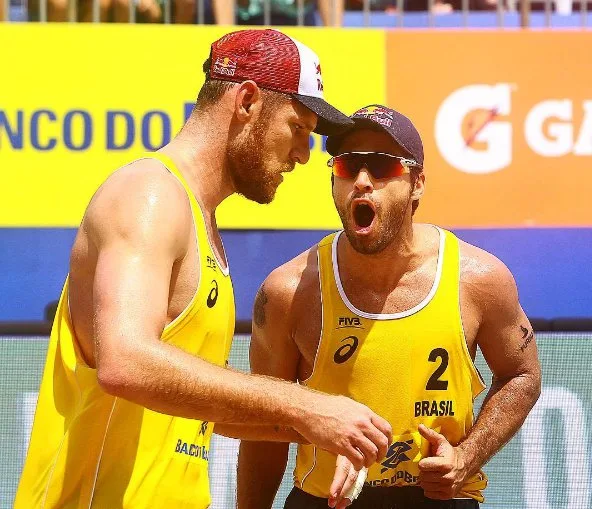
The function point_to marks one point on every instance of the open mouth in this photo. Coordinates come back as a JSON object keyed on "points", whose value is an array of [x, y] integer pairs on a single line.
{"points": [[363, 213]]}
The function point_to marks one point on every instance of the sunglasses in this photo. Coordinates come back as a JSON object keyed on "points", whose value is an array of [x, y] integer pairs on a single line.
{"points": [[379, 165]]}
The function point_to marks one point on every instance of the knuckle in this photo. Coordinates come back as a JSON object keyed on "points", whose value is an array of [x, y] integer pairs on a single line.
{"points": [[362, 423], [350, 435], [374, 454]]}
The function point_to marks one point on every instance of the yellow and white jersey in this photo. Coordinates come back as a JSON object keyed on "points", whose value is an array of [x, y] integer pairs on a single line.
{"points": [[411, 367], [91, 449]]}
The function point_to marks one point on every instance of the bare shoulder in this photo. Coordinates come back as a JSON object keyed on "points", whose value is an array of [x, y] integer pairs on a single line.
{"points": [[288, 288], [486, 280], [140, 199], [285, 301]]}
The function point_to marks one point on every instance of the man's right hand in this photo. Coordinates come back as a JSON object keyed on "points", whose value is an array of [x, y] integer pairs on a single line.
{"points": [[342, 426]]}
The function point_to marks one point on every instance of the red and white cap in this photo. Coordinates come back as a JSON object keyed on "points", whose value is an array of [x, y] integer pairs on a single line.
{"points": [[276, 62]]}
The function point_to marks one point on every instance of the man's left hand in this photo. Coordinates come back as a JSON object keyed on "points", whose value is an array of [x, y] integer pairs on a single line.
{"points": [[442, 474]]}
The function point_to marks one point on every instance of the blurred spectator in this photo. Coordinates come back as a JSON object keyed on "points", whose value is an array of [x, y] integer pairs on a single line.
{"points": [[149, 11], [438, 6], [2, 8], [285, 12], [85, 10], [219, 12]]}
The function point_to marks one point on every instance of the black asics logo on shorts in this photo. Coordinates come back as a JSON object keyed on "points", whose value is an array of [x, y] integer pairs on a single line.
{"points": [[396, 454], [213, 295], [345, 351]]}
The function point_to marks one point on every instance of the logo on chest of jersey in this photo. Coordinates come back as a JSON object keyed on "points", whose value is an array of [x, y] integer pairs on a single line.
{"points": [[344, 322], [346, 350], [213, 295], [211, 263], [396, 455]]}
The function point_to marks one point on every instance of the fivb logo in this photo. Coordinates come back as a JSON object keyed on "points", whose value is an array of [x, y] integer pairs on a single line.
{"points": [[473, 138]]}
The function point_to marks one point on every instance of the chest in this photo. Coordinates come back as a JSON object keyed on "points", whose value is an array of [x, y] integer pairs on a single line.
{"points": [[200, 266], [344, 326]]}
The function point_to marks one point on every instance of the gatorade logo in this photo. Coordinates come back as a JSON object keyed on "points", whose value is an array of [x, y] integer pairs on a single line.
{"points": [[474, 130], [469, 133]]}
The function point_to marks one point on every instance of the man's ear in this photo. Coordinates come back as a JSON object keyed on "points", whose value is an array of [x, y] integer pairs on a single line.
{"points": [[247, 100], [419, 187]]}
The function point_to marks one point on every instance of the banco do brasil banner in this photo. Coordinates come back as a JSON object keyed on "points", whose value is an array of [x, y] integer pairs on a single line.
{"points": [[506, 118]]}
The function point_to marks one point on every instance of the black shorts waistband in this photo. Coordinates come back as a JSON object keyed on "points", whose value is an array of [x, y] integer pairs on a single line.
{"points": [[391, 497]]}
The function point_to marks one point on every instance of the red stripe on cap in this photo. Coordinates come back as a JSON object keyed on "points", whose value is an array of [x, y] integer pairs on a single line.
{"points": [[268, 57]]}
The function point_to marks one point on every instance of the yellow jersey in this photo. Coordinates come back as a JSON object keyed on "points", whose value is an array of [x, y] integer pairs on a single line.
{"points": [[89, 449], [411, 367]]}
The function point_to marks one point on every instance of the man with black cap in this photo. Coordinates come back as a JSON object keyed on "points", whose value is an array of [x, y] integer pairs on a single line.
{"points": [[135, 375], [390, 313]]}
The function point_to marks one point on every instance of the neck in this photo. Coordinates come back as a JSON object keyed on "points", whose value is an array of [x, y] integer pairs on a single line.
{"points": [[381, 271], [199, 151]]}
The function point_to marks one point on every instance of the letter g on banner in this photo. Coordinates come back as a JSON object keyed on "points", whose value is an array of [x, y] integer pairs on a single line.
{"points": [[468, 134]]}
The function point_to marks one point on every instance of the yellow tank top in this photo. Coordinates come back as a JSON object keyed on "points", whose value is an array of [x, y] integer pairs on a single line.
{"points": [[411, 367], [90, 449]]}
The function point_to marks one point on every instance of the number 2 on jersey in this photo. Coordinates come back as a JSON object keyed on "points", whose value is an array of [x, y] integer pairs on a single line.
{"points": [[434, 382]]}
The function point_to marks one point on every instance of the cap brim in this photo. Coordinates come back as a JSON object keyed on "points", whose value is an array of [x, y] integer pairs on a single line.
{"points": [[334, 141], [330, 120]]}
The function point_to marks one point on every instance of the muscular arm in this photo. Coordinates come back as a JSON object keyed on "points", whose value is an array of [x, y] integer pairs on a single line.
{"points": [[139, 235], [507, 342], [139, 228], [261, 465]]}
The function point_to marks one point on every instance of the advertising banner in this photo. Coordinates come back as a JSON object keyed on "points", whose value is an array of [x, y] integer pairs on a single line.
{"points": [[76, 102], [506, 120]]}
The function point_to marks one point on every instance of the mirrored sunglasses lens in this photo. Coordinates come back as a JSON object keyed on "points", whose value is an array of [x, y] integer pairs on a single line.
{"points": [[345, 166], [382, 166]]}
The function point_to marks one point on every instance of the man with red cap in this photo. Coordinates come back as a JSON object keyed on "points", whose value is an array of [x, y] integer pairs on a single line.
{"points": [[390, 313], [135, 375]]}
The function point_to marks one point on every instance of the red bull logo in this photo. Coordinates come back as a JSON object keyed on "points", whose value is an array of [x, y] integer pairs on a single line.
{"points": [[377, 114], [373, 110], [225, 66]]}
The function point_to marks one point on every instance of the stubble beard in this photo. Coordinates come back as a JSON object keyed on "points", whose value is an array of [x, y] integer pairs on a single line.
{"points": [[387, 227], [246, 160]]}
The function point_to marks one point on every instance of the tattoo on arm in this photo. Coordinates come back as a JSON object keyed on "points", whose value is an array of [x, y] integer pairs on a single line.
{"points": [[259, 311], [527, 336]]}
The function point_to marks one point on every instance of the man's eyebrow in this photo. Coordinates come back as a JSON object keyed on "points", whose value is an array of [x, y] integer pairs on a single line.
{"points": [[308, 125]]}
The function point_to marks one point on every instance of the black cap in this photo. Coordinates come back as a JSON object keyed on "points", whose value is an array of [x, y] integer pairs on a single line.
{"points": [[381, 118]]}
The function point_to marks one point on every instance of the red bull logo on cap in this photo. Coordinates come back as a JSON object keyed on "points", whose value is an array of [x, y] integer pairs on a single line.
{"points": [[225, 66], [319, 78], [377, 114]]}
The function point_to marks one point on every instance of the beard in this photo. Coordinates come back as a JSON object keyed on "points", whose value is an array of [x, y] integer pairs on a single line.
{"points": [[386, 228], [246, 161]]}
